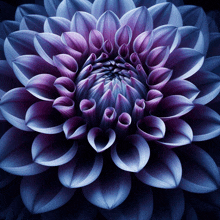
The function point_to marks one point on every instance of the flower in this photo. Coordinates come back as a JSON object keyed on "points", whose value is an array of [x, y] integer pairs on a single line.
{"points": [[108, 97]]}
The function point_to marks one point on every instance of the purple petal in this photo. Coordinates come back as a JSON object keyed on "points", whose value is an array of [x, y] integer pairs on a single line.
{"points": [[151, 128], [8, 27], [123, 124], [123, 36], [184, 62], [158, 78], [66, 64], [48, 45], [118, 7], [122, 104], [43, 118], [138, 19], [165, 13], [41, 86], [75, 128], [204, 122], [16, 155], [209, 85], [163, 169], [65, 86], [110, 189], [27, 66], [131, 155], [195, 16], [181, 87], [52, 150], [138, 110], [56, 25], [38, 195], [157, 57], [192, 37], [16, 45], [166, 35], [153, 99], [14, 105], [96, 41], [108, 118], [88, 109], [27, 9], [77, 173], [123, 51], [108, 24], [100, 140], [173, 106], [178, 133], [213, 49], [108, 47], [200, 173], [33, 22], [67, 8], [65, 106], [83, 23], [51, 6]]}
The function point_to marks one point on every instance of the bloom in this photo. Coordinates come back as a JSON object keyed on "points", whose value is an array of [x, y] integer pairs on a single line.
{"points": [[108, 96]]}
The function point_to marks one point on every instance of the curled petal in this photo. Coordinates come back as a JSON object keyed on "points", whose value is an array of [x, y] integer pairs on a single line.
{"points": [[111, 188], [27, 66], [123, 36], [14, 105], [65, 86], [96, 41], [124, 121], [52, 150], [66, 64], [65, 106], [200, 173], [153, 99], [27, 9], [157, 57], [192, 37], [178, 133], [163, 170], [181, 87], [204, 122], [16, 44], [67, 8], [138, 19], [51, 6], [33, 22], [75, 128], [131, 155], [40, 196], [41, 86], [56, 25], [108, 118], [77, 173], [108, 24], [49, 45], [118, 7], [184, 62], [151, 128], [83, 23], [209, 85], [100, 140], [16, 156], [173, 106], [158, 78], [138, 110], [88, 109], [43, 118], [165, 13]]}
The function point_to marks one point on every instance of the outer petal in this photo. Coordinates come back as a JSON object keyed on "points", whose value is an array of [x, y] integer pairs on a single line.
{"points": [[200, 173], [78, 173], [67, 8], [51, 6], [163, 169], [148, 3], [43, 118], [165, 13], [40, 196], [213, 49], [52, 150], [110, 189], [118, 7], [204, 122], [131, 155], [15, 153], [14, 105], [184, 62], [16, 44], [7, 27]]}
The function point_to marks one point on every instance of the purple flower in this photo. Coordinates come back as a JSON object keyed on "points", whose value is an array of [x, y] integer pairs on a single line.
{"points": [[109, 97]]}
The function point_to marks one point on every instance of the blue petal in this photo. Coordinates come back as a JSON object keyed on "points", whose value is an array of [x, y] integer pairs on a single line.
{"points": [[7, 27], [214, 43], [51, 6], [147, 3]]}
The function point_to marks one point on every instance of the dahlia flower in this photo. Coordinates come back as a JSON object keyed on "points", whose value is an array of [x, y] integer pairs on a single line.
{"points": [[110, 105]]}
